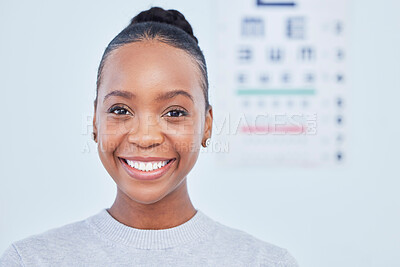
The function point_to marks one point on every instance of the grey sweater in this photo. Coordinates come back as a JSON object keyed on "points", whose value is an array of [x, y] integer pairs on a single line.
{"points": [[100, 240]]}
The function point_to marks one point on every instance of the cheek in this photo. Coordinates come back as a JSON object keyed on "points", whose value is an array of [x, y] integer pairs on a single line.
{"points": [[111, 133], [110, 136], [186, 138]]}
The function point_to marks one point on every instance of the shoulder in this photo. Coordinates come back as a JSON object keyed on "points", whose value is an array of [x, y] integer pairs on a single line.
{"points": [[50, 242], [72, 232], [252, 249]]}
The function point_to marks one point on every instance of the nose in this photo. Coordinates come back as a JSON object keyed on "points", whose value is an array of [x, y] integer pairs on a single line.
{"points": [[147, 133]]}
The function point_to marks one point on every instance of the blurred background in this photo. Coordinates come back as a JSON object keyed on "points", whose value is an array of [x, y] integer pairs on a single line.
{"points": [[329, 195]]}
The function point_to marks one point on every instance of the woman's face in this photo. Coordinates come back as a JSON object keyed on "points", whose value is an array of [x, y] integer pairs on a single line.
{"points": [[150, 119]]}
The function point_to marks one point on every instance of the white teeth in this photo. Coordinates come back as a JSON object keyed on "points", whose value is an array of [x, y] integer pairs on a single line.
{"points": [[146, 166], [142, 166], [149, 167]]}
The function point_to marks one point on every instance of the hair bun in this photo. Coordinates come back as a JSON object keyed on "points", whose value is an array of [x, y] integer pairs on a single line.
{"points": [[170, 16]]}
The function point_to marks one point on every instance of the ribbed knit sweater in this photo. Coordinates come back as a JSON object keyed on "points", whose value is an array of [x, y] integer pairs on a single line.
{"points": [[100, 240]]}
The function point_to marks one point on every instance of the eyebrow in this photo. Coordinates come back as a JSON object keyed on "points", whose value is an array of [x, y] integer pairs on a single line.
{"points": [[124, 94], [172, 94], [160, 97]]}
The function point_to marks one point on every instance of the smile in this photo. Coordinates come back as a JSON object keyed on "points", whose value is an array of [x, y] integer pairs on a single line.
{"points": [[146, 168]]}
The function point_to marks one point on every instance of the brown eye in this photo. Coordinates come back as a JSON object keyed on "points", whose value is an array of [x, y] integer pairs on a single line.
{"points": [[176, 113], [118, 110]]}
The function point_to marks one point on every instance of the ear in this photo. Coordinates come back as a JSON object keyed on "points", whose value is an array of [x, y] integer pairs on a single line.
{"points": [[95, 134], [208, 124]]}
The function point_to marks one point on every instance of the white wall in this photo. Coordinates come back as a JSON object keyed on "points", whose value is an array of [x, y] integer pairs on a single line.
{"points": [[49, 53]]}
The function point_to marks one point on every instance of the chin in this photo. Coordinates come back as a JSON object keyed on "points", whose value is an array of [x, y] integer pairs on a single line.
{"points": [[146, 196]]}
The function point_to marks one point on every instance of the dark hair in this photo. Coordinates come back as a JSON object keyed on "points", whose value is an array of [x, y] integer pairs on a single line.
{"points": [[166, 26]]}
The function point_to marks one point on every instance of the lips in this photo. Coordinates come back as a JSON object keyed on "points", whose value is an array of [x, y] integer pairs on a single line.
{"points": [[149, 168]]}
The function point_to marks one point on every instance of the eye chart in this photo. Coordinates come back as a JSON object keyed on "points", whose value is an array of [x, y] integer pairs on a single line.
{"points": [[282, 83]]}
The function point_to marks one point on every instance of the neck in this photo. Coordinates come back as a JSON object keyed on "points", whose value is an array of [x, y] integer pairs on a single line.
{"points": [[172, 210]]}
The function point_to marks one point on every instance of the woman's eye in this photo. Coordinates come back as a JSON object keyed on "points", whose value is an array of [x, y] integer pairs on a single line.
{"points": [[175, 113], [119, 111]]}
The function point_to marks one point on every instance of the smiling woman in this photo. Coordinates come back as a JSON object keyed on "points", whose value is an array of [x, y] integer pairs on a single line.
{"points": [[151, 117], [150, 112]]}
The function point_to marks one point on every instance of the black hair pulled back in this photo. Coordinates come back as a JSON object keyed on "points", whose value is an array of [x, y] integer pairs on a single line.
{"points": [[166, 26]]}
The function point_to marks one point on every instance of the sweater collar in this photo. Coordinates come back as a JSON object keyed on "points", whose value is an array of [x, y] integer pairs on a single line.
{"points": [[197, 226]]}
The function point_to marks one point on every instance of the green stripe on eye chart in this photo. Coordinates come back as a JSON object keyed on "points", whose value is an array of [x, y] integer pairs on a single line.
{"points": [[276, 92]]}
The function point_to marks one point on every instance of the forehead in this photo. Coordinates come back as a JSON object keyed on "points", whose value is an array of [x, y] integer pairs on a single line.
{"points": [[150, 67]]}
